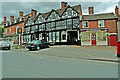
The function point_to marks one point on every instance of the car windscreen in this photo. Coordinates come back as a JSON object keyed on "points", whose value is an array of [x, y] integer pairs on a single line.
{"points": [[36, 41]]}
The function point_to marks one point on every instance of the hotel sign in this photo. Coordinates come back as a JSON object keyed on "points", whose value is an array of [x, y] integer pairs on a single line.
{"points": [[19, 30]]}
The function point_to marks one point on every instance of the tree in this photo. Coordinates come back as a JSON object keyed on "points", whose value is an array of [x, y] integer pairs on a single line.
{"points": [[2, 30]]}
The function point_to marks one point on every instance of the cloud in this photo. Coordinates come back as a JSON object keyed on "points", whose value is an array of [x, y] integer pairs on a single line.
{"points": [[13, 8]]}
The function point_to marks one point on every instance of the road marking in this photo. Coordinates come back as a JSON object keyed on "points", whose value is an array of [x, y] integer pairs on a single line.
{"points": [[4, 51]]}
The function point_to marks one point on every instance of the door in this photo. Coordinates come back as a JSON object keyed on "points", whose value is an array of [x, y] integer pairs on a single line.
{"points": [[113, 39], [93, 39]]}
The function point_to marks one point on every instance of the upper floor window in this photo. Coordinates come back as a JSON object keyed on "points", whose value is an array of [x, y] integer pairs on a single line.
{"points": [[85, 24], [69, 23], [100, 23], [6, 31], [10, 30], [53, 25], [6, 24], [76, 22]]}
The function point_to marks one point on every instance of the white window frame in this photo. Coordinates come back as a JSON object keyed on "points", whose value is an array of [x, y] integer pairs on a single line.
{"points": [[99, 21], [85, 24]]}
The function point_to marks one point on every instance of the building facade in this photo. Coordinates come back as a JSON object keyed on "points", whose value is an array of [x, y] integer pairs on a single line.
{"points": [[67, 26], [12, 25], [60, 26]]}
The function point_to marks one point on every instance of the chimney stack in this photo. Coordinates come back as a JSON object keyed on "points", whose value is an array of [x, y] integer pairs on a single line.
{"points": [[33, 12], [80, 11], [91, 10], [5, 19], [117, 11], [21, 14], [11, 18], [63, 4]]}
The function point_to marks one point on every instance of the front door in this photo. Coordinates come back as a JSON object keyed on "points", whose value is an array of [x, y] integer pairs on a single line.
{"points": [[93, 39]]}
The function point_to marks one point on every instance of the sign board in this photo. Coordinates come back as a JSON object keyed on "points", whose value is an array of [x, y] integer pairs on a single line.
{"points": [[19, 30]]}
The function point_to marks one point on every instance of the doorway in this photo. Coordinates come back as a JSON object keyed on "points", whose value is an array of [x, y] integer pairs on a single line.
{"points": [[93, 39], [72, 37]]}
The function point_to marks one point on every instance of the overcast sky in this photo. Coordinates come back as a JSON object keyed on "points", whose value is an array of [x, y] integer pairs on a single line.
{"points": [[13, 8]]}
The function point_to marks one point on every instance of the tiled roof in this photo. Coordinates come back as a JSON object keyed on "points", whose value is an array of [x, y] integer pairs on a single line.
{"points": [[60, 11], [99, 16]]}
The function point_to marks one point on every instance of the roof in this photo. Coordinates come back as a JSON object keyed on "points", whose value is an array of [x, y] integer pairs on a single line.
{"points": [[60, 11], [99, 16]]}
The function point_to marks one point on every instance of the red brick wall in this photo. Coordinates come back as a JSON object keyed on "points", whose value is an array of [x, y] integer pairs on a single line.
{"points": [[110, 24]]}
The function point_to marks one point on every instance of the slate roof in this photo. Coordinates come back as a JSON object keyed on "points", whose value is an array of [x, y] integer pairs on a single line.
{"points": [[99, 16]]}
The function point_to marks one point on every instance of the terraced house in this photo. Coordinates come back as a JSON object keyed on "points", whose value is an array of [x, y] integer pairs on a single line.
{"points": [[12, 25], [67, 25]]}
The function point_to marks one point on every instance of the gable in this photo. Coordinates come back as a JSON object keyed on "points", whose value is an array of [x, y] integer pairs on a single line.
{"points": [[69, 12]]}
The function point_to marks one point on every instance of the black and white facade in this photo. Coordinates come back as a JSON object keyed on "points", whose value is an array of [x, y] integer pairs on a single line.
{"points": [[60, 26]]}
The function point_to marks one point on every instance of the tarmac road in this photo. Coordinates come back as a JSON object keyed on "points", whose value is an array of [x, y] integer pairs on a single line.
{"points": [[33, 64]]}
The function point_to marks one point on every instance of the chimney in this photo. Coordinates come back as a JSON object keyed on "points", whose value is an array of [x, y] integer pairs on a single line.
{"points": [[117, 11], [11, 18], [21, 14], [91, 10], [63, 4], [33, 12], [80, 11], [5, 19]]}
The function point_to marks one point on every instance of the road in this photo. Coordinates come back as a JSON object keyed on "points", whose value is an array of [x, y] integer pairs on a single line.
{"points": [[43, 64]]}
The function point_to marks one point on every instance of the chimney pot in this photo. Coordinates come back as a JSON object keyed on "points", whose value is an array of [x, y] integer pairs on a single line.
{"points": [[21, 14], [5, 19], [34, 12], [11, 18], [91, 10], [63, 4], [117, 11]]}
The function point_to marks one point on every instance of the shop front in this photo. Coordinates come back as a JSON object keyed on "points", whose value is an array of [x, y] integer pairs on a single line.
{"points": [[93, 38]]}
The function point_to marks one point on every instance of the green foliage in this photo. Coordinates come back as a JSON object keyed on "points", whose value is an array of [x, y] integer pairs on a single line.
{"points": [[3, 30]]}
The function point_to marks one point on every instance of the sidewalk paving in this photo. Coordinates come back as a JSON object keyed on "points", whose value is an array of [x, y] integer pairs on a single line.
{"points": [[101, 53]]}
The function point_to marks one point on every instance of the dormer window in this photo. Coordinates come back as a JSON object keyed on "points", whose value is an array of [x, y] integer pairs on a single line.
{"points": [[10, 23], [15, 21], [6, 24], [20, 19]]}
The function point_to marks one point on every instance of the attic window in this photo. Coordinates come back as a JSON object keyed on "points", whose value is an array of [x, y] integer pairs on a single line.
{"points": [[15, 21]]}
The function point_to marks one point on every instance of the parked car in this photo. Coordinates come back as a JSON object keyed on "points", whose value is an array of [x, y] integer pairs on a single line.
{"points": [[37, 45], [5, 45]]}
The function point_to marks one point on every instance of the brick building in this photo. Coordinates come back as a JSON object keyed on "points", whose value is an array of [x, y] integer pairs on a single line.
{"points": [[66, 25], [12, 25], [99, 29]]}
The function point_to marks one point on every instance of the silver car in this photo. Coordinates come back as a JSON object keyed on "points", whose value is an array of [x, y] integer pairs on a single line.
{"points": [[5, 45]]}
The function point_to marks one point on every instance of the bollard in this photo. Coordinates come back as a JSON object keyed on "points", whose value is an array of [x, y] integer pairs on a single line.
{"points": [[118, 48]]}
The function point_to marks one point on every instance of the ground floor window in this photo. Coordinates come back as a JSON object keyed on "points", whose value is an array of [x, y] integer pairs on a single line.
{"points": [[53, 36], [101, 38], [85, 38], [57, 35], [50, 36], [63, 35]]}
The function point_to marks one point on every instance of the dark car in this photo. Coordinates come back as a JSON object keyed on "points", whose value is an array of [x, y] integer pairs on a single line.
{"points": [[37, 45]]}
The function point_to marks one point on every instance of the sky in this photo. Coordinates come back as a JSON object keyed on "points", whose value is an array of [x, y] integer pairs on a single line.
{"points": [[13, 8]]}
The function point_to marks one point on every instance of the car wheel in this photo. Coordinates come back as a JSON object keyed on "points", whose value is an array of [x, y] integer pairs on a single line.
{"points": [[38, 48], [48, 46], [30, 49], [9, 48]]}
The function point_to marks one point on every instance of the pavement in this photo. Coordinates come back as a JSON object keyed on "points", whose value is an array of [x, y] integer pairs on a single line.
{"points": [[99, 53]]}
